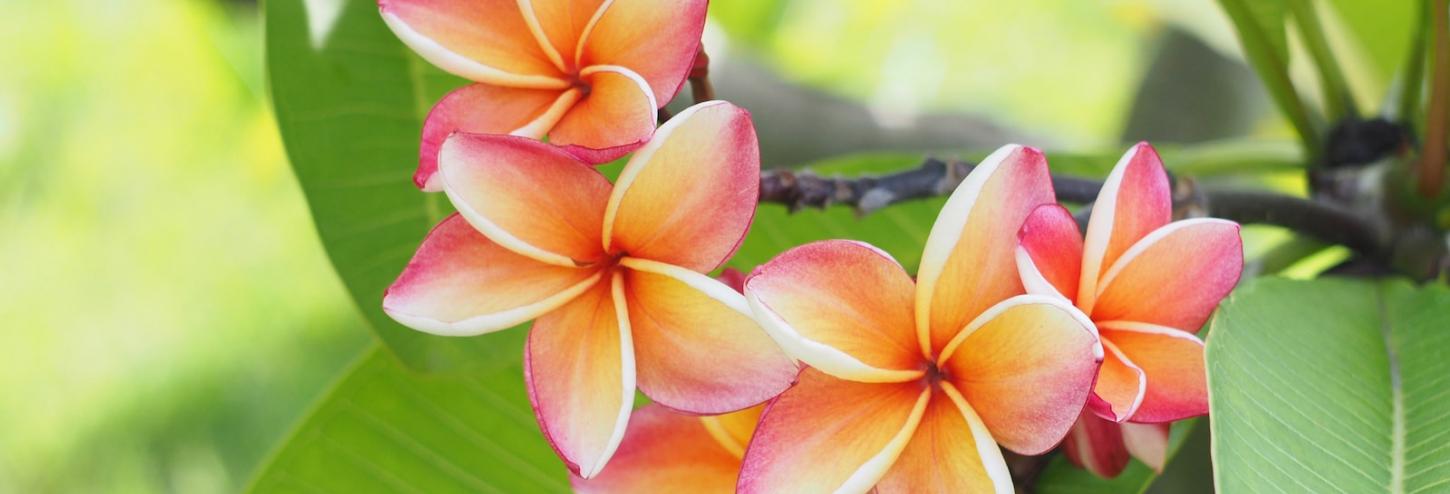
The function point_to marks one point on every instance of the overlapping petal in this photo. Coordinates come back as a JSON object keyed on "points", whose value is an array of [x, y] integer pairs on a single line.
{"points": [[1120, 387], [966, 267], [1096, 444], [1049, 256], [616, 117], [1175, 276], [842, 307], [1177, 386], [527, 196], [486, 109], [481, 40], [656, 38], [579, 368], [828, 434], [665, 451], [1147, 442], [1135, 200], [687, 197], [461, 283], [733, 430], [560, 26], [952, 451], [697, 347], [1028, 342]]}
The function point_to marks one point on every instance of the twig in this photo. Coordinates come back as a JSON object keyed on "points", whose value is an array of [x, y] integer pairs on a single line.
{"points": [[700, 88], [1328, 223], [1437, 118]]}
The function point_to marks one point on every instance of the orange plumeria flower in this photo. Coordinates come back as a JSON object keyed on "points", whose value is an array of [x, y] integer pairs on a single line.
{"points": [[666, 451], [1148, 285], [588, 74], [613, 274], [913, 384]]}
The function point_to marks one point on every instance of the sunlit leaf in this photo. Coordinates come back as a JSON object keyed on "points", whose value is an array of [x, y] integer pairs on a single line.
{"points": [[1331, 386]]}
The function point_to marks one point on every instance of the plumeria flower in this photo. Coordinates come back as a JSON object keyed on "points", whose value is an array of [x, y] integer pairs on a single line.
{"points": [[667, 451], [912, 385], [613, 274], [588, 74], [1148, 285]]}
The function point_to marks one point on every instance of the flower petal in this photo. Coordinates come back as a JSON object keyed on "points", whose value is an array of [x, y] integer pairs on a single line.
{"points": [[861, 428], [1134, 200], [1147, 442], [1096, 445], [527, 196], [687, 197], [483, 109], [560, 25], [733, 430], [841, 306], [579, 367], [950, 452], [480, 40], [665, 451], [1049, 255], [966, 265], [698, 349], [1120, 387], [1026, 342], [656, 38], [1175, 276], [615, 118], [460, 284], [1173, 362]]}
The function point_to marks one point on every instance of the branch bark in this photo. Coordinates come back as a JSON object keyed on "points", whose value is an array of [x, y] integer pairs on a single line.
{"points": [[935, 177]]}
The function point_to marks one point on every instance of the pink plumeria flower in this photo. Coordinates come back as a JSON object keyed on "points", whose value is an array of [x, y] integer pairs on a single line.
{"points": [[913, 384], [1148, 285], [588, 74], [666, 451], [613, 274]]}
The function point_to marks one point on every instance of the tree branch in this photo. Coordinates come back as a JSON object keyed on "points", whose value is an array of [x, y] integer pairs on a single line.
{"points": [[866, 194]]}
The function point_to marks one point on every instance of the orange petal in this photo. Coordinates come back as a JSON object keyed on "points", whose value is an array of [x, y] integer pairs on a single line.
{"points": [[483, 109], [1175, 276], [656, 38], [1172, 360], [950, 452], [733, 430], [481, 40], [1147, 442], [1120, 387], [1134, 200], [687, 197], [616, 117], [697, 347], [827, 434], [966, 266], [579, 367], [1096, 445], [527, 196], [559, 26], [459, 283], [1049, 256], [1028, 342], [841, 306], [665, 451]]}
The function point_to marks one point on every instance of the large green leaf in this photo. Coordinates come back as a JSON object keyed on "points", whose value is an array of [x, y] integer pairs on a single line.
{"points": [[350, 100], [1331, 386], [384, 428]]}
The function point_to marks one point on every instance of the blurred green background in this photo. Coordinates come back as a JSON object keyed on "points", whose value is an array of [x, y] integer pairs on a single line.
{"points": [[168, 313]]}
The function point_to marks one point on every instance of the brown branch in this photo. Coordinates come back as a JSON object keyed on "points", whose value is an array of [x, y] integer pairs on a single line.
{"points": [[1437, 117]]}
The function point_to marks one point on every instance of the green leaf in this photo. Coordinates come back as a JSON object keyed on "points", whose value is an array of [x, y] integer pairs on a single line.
{"points": [[1062, 477], [350, 101], [1260, 27], [1331, 386], [384, 428]]}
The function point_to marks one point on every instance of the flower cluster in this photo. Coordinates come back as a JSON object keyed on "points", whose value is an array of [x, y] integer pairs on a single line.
{"points": [[827, 368]]}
